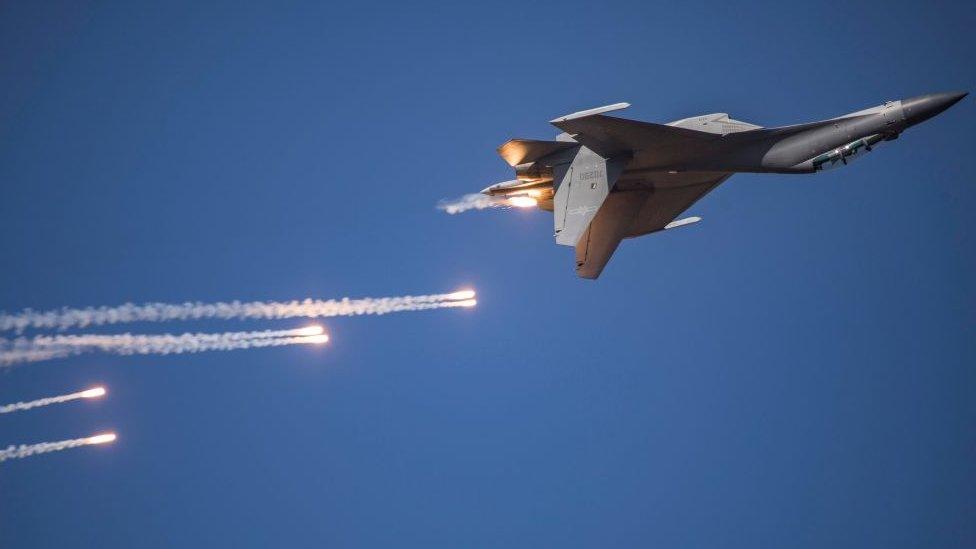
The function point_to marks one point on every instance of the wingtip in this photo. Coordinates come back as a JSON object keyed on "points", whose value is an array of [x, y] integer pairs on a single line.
{"points": [[682, 222], [590, 112]]}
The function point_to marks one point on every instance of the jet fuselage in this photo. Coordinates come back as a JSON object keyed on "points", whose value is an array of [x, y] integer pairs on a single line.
{"points": [[607, 179]]}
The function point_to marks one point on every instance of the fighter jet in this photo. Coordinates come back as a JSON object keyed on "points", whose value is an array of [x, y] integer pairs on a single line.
{"points": [[607, 178]]}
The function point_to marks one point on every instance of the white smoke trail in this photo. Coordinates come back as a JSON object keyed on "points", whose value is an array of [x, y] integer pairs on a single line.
{"points": [[33, 349], [20, 406], [27, 450], [471, 202], [109, 342], [159, 312], [17, 356]]}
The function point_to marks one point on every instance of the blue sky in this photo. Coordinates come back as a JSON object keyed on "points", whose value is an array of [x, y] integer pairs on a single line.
{"points": [[796, 370]]}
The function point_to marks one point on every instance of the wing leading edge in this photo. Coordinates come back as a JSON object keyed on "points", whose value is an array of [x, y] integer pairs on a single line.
{"points": [[610, 136]]}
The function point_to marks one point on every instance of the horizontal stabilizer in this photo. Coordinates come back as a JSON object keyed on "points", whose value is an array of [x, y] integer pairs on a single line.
{"points": [[523, 151]]}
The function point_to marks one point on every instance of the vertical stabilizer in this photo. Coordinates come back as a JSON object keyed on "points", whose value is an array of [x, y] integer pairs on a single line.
{"points": [[581, 186]]}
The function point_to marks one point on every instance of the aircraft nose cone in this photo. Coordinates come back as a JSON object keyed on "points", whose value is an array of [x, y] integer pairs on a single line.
{"points": [[923, 107], [946, 100]]}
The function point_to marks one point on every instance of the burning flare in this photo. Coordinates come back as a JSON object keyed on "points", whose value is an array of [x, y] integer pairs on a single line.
{"points": [[103, 438], [93, 393], [62, 319], [523, 201], [27, 450], [20, 406], [310, 331], [33, 349], [459, 296]]}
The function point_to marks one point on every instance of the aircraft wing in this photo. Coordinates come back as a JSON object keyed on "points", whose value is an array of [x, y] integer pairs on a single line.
{"points": [[609, 136], [627, 214], [608, 144], [662, 206]]}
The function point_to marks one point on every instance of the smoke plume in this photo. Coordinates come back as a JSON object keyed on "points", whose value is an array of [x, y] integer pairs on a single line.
{"points": [[65, 318], [27, 450], [20, 406], [45, 347], [471, 202]]}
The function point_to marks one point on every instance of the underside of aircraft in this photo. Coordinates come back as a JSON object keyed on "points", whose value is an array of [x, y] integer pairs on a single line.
{"points": [[607, 178]]}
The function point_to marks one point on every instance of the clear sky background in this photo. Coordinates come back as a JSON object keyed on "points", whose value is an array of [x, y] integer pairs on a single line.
{"points": [[798, 370]]}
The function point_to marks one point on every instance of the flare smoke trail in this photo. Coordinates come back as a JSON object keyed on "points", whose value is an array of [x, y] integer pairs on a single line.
{"points": [[19, 406], [159, 312], [37, 348], [16, 356], [471, 202], [27, 450]]}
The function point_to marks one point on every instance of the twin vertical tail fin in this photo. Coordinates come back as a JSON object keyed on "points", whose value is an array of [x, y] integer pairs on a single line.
{"points": [[583, 182]]}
